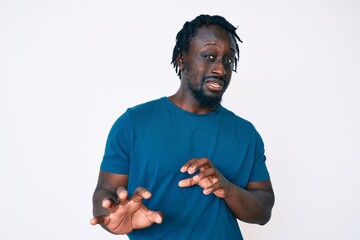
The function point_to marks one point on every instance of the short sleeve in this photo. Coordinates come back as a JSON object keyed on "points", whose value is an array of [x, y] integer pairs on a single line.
{"points": [[259, 170], [118, 146]]}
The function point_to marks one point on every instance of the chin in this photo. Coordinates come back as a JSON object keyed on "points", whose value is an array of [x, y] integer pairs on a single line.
{"points": [[209, 101]]}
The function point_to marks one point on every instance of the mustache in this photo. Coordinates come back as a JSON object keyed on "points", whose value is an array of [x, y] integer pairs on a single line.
{"points": [[214, 76]]}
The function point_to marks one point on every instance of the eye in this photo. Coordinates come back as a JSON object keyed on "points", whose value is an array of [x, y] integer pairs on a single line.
{"points": [[229, 61], [209, 57]]}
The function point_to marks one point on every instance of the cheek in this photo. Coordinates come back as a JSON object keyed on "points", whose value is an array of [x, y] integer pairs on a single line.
{"points": [[229, 72], [193, 74], [198, 71], [228, 76], [190, 75]]}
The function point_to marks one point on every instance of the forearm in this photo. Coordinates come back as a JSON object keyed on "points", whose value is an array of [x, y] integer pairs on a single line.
{"points": [[98, 210], [98, 198], [250, 205], [106, 188]]}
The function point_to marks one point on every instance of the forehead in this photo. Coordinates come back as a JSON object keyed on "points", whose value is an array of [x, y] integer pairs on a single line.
{"points": [[213, 35]]}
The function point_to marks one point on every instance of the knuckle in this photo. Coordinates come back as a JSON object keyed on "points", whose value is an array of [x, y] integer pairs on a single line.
{"points": [[190, 182]]}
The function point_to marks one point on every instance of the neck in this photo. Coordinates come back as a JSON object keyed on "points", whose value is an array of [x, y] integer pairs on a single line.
{"points": [[188, 103]]}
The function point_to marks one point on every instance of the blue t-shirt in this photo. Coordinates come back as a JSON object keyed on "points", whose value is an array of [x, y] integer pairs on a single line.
{"points": [[151, 142]]}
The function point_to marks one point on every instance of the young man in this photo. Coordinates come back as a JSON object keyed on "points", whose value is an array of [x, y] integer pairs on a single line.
{"points": [[185, 162]]}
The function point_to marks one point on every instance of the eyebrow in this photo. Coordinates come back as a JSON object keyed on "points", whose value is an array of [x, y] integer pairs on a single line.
{"points": [[214, 44]]}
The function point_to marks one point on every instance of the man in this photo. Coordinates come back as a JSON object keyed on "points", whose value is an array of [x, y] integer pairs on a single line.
{"points": [[185, 162]]}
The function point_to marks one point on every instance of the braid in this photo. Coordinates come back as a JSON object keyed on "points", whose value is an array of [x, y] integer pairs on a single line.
{"points": [[189, 31]]}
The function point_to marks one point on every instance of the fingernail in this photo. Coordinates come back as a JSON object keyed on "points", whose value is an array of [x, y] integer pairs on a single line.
{"points": [[196, 178]]}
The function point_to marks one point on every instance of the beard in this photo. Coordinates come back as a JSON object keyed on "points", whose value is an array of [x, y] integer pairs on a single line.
{"points": [[204, 100]]}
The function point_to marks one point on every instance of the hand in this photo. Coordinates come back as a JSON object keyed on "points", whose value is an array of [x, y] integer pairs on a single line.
{"points": [[209, 178], [129, 213]]}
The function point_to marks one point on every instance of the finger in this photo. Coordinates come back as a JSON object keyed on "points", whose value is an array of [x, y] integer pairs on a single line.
{"points": [[204, 163], [140, 193], [94, 221], [122, 195], [210, 172], [188, 182], [107, 203], [201, 163], [210, 189], [207, 191], [156, 217], [185, 167], [97, 220], [213, 188]]}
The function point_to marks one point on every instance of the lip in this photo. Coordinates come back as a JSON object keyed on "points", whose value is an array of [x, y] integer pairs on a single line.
{"points": [[215, 84]]}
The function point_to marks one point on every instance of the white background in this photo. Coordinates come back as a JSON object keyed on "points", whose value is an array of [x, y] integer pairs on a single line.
{"points": [[68, 69]]}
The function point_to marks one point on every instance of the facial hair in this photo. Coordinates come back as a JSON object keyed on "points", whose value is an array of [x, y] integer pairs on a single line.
{"points": [[204, 100]]}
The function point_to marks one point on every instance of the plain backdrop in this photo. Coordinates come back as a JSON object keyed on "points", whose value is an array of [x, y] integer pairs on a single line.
{"points": [[68, 69]]}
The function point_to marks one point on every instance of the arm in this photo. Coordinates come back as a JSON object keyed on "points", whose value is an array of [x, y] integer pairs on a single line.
{"points": [[115, 211], [252, 204], [106, 188]]}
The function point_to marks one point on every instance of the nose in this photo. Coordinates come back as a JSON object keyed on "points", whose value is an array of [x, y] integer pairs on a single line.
{"points": [[218, 68]]}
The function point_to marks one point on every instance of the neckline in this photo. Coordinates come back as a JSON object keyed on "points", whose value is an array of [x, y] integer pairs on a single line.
{"points": [[180, 110]]}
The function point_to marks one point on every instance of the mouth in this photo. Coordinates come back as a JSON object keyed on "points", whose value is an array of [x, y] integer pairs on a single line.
{"points": [[214, 84]]}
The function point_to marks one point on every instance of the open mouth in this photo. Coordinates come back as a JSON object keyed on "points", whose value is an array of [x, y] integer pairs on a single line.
{"points": [[215, 84]]}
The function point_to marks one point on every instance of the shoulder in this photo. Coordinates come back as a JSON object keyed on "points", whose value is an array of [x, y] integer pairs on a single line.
{"points": [[240, 125], [150, 105], [137, 114], [244, 128], [236, 120], [145, 110]]}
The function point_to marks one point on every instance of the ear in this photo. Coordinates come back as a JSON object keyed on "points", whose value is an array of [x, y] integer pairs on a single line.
{"points": [[180, 61]]}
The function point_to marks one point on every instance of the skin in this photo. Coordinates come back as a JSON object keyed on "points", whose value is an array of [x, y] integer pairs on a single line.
{"points": [[115, 211], [207, 68], [211, 53]]}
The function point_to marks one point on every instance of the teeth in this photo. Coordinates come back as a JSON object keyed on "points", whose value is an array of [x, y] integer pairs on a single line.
{"points": [[214, 84]]}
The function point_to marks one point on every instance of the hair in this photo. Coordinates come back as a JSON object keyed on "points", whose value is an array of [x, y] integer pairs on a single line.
{"points": [[189, 31]]}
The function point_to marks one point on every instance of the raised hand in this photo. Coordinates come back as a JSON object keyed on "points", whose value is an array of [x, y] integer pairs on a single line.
{"points": [[209, 178], [129, 213]]}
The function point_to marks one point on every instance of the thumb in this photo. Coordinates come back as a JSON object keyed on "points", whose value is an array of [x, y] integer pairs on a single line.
{"points": [[94, 221]]}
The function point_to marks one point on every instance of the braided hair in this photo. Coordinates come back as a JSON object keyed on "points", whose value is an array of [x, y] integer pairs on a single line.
{"points": [[189, 31]]}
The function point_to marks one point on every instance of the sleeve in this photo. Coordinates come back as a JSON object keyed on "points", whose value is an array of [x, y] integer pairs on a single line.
{"points": [[118, 146], [259, 170]]}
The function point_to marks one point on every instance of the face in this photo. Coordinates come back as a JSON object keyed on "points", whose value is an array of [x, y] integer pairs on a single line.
{"points": [[208, 65]]}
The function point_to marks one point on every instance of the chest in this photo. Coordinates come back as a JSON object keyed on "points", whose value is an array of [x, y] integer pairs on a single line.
{"points": [[159, 150]]}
